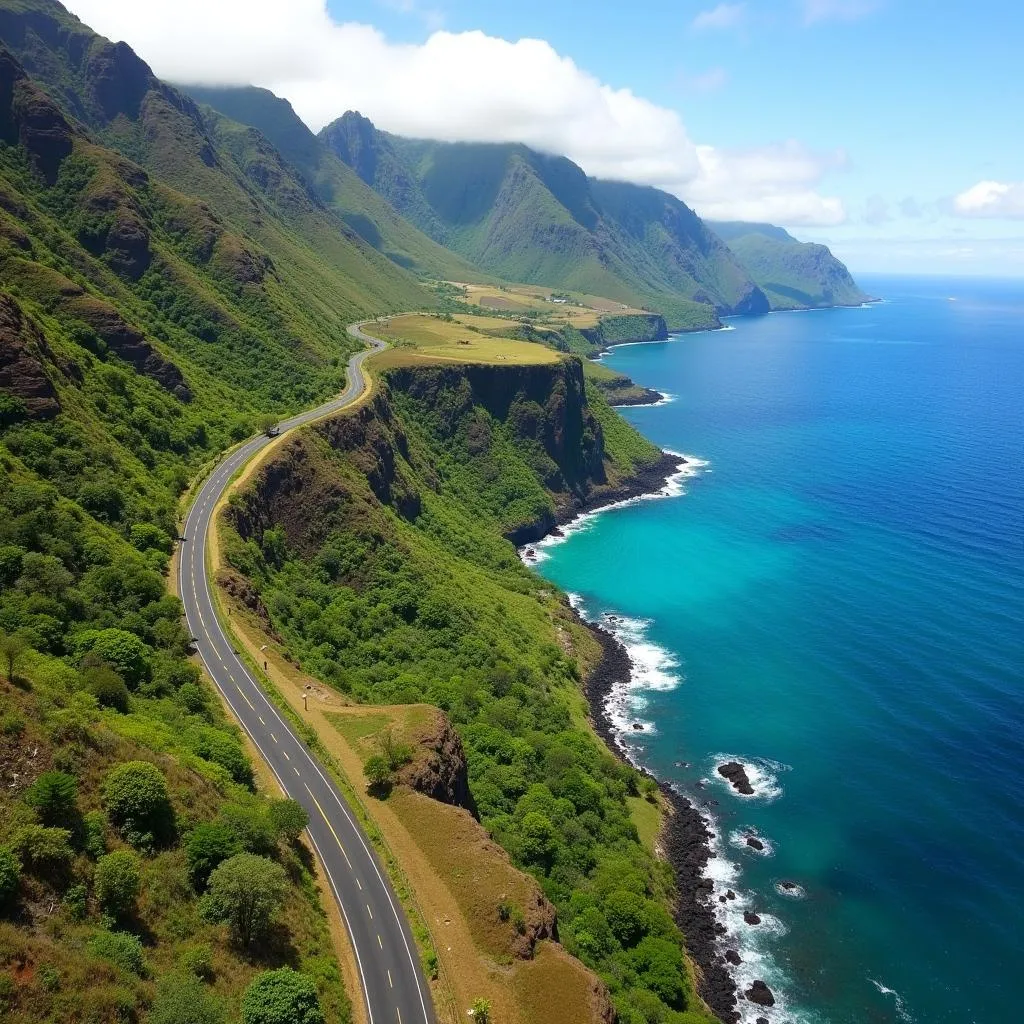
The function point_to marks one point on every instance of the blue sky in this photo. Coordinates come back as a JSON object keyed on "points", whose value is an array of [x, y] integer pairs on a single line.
{"points": [[854, 122]]}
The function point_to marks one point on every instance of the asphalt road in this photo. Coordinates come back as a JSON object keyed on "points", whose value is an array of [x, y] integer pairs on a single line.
{"points": [[394, 987]]}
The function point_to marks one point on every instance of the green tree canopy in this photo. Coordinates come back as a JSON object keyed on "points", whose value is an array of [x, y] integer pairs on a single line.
{"points": [[135, 795], [209, 844], [246, 892], [10, 875], [289, 818], [53, 795], [123, 651], [117, 881], [283, 996]]}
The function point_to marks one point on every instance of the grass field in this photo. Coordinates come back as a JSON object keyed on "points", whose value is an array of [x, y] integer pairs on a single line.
{"points": [[433, 338], [580, 310]]}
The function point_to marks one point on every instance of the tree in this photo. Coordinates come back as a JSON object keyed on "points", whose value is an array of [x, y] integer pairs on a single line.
{"points": [[266, 423], [43, 851], [53, 796], [135, 795], [10, 875], [121, 650], [107, 687], [12, 648], [627, 915], [480, 1011], [289, 818], [119, 948], [209, 844], [377, 772], [537, 839], [246, 891], [184, 999], [117, 881], [283, 996]]}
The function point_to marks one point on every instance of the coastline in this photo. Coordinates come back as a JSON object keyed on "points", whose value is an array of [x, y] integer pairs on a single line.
{"points": [[686, 841], [685, 838]]}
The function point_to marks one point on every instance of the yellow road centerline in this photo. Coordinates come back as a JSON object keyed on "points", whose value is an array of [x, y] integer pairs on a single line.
{"points": [[329, 825]]}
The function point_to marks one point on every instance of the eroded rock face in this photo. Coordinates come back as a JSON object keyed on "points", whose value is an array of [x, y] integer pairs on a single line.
{"points": [[128, 343], [28, 117], [238, 587], [439, 768], [23, 374]]}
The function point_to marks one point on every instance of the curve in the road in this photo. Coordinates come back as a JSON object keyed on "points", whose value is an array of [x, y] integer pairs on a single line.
{"points": [[394, 988]]}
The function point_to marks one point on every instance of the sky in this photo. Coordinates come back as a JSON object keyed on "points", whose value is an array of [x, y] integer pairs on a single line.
{"points": [[887, 129]]}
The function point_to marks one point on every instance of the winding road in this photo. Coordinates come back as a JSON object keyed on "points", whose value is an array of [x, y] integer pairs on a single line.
{"points": [[394, 987]]}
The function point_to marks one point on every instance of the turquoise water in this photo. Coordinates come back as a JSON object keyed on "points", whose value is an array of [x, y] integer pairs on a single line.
{"points": [[838, 600]]}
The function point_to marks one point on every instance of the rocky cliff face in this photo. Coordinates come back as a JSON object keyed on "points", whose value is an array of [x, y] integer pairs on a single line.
{"points": [[438, 768], [23, 355]]}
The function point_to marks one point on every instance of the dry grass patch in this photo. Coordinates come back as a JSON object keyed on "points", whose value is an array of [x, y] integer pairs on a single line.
{"points": [[421, 335]]}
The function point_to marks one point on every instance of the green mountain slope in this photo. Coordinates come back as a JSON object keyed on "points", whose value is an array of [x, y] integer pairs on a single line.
{"points": [[335, 182], [793, 274], [535, 218], [113, 93], [147, 318]]}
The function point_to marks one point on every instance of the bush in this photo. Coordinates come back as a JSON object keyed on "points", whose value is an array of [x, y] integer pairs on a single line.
{"points": [[107, 687], [198, 960], [209, 844], [627, 915], [222, 749], [42, 850], [121, 650], [135, 794], [288, 818], [76, 900], [250, 822], [117, 881], [283, 996], [246, 892], [10, 875], [94, 834], [53, 796], [121, 949], [183, 999], [377, 772]]}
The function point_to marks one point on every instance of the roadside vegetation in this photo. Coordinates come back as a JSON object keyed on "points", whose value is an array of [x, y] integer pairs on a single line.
{"points": [[419, 598]]}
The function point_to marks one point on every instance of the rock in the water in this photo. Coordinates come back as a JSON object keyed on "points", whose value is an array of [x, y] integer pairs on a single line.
{"points": [[721, 899], [750, 917], [730, 895], [788, 886], [736, 774], [761, 994], [762, 1020], [733, 957], [754, 843], [638, 727]]}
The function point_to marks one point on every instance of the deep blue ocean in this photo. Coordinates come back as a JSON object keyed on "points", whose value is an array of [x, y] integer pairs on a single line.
{"points": [[837, 600]]}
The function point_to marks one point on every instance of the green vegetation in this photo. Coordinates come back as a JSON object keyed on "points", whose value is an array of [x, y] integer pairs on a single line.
{"points": [[117, 882], [247, 892], [794, 275], [408, 592], [527, 216], [283, 996]]}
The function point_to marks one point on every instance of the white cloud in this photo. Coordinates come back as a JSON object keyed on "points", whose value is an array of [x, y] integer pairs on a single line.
{"points": [[992, 199], [837, 10], [464, 86], [722, 16]]}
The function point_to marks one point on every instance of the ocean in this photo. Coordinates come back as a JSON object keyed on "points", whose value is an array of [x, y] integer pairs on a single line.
{"points": [[834, 596]]}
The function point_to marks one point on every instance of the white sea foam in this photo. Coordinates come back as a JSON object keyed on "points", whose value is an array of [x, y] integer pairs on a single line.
{"points": [[689, 466], [901, 1007], [738, 838], [762, 773]]}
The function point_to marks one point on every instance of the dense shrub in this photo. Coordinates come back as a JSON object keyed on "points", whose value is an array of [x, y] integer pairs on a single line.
{"points": [[183, 999], [123, 651], [121, 949], [117, 881], [43, 851], [209, 844], [197, 960], [289, 819], [283, 996], [246, 892], [109, 689], [10, 876], [135, 795]]}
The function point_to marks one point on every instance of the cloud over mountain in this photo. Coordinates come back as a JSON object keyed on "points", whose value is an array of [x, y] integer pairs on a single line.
{"points": [[465, 86], [992, 199]]}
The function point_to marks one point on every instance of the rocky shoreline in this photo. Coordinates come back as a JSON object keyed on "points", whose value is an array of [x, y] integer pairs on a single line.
{"points": [[685, 840]]}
